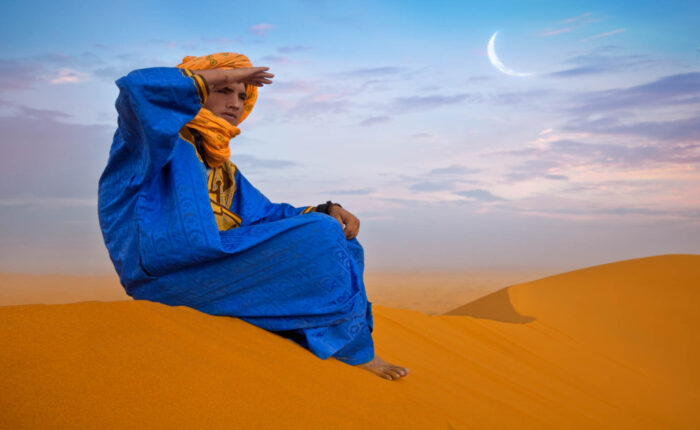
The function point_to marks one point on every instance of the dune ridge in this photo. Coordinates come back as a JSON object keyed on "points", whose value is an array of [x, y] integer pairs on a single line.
{"points": [[609, 346]]}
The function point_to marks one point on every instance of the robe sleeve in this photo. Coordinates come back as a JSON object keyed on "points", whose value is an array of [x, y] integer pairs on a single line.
{"points": [[255, 208], [153, 105]]}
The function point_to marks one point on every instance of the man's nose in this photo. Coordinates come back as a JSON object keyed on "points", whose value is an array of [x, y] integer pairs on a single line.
{"points": [[235, 103]]}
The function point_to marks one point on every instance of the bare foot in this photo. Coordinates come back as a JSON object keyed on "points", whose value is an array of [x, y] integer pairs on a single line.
{"points": [[384, 369]]}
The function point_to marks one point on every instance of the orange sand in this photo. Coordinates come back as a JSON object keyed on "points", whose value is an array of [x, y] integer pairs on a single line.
{"points": [[611, 346]]}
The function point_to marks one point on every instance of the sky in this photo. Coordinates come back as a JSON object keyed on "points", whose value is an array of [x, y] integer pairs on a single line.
{"points": [[450, 157]]}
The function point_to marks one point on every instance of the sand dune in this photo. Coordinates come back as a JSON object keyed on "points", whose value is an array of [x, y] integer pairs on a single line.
{"points": [[610, 346]]}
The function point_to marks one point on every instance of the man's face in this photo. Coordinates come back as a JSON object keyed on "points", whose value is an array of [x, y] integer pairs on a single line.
{"points": [[227, 102]]}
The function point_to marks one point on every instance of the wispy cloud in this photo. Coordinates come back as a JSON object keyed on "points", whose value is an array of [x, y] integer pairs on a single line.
{"points": [[454, 169], [568, 156], [49, 158], [576, 18], [676, 89], [479, 195], [252, 162], [687, 129], [293, 49], [354, 191], [18, 73], [603, 59], [572, 23], [261, 29], [69, 76], [606, 34], [406, 104], [292, 87], [374, 120], [373, 71], [555, 32], [432, 186], [537, 168], [276, 59]]}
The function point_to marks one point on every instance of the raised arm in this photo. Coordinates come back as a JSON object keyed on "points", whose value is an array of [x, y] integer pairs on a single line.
{"points": [[153, 105]]}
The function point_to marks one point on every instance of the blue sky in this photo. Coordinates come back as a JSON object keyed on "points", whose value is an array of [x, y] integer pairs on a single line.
{"points": [[392, 108]]}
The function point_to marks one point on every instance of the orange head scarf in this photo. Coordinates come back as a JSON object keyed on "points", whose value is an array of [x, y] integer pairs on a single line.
{"points": [[217, 132]]}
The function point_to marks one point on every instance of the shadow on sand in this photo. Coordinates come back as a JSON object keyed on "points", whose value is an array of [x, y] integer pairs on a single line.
{"points": [[495, 306]]}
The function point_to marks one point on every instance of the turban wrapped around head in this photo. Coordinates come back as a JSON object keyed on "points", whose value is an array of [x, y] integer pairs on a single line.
{"points": [[217, 132]]}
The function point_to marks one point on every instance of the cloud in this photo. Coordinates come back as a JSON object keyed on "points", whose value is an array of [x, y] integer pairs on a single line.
{"points": [[69, 76], [480, 195], [254, 163], [516, 97], [292, 87], [44, 158], [374, 120], [573, 23], [18, 73], [278, 59], [354, 192], [292, 49], [373, 71], [576, 18], [56, 68], [676, 89], [677, 130], [407, 104], [37, 114], [568, 154], [432, 186], [603, 59], [454, 169], [555, 32], [606, 34], [538, 168], [312, 105], [261, 29]]}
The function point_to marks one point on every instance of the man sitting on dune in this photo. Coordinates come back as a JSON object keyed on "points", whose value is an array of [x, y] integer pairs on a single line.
{"points": [[183, 226]]}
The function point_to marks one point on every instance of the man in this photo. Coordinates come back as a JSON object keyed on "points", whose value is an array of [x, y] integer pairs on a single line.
{"points": [[183, 226]]}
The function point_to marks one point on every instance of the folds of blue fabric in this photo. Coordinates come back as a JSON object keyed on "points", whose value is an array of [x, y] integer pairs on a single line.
{"points": [[298, 277]]}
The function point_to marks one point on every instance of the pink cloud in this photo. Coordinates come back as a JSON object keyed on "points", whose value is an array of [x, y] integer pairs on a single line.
{"points": [[576, 18], [261, 29], [69, 76], [555, 32], [609, 33]]}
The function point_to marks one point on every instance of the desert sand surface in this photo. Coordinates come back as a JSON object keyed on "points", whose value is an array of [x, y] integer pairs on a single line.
{"points": [[609, 346]]}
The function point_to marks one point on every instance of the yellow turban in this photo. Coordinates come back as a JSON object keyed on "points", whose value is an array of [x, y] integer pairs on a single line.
{"points": [[217, 132]]}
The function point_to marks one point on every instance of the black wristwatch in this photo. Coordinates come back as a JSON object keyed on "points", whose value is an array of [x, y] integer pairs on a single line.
{"points": [[326, 207]]}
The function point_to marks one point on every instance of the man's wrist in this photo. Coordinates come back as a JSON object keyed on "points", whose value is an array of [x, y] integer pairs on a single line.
{"points": [[326, 207]]}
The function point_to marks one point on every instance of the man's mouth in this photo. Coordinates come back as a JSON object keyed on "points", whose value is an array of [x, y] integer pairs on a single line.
{"points": [[229, 116]]}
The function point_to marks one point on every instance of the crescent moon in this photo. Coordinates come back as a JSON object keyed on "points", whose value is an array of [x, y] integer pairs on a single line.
{"points": [[497, 63]]}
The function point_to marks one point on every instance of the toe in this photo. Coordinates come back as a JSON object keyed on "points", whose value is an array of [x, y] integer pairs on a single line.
{"points": [[400, 371], [394, 374]]}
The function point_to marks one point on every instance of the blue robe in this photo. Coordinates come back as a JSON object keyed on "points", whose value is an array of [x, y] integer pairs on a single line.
{"points": [[283, 270]]}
